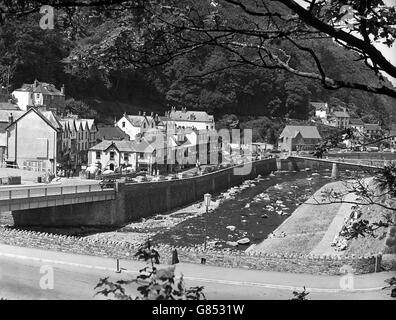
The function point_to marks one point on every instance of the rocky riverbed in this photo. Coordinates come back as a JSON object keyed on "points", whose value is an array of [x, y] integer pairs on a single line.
{"points": [[241, 216]]}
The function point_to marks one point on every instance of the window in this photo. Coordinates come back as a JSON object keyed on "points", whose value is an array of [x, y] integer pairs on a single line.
{"points": [[141, 155], [111, 155], [126, 156], [97, 155], [123, 124]]}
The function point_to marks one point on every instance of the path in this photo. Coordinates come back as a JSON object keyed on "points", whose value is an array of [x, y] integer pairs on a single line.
{"points": [[324, 246]]}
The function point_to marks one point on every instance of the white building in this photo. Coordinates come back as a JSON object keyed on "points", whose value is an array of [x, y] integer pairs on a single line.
{"points": [[199, 120], [40, 94], [111, 155], [136, 125], [321, 109]]}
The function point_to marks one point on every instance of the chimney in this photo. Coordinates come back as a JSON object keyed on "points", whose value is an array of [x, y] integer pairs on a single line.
{"points": [[152, 114], [10, 118], [140, 113], [156, 117], [35, 84], [63, 89], [144, 113]]}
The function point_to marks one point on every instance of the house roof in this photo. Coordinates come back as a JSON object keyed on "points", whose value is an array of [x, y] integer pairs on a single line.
{"points": [[198, 116], [8, 106], [40, 114], [120, 145], [356, 122], [372, 126], [51, 116], [5, 114], [319, 105], [41, 87], [341, 114], [111, 133], [69, 123], [137, 121], [307, 132]]}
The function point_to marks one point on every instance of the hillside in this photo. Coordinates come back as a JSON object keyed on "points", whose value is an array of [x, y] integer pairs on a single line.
{"points": [[243, 90]]}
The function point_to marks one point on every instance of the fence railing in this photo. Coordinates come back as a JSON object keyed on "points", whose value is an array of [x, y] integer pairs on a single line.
{"points": [[40, 191]]}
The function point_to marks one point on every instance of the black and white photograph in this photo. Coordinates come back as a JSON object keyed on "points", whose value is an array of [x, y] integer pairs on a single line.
{"points": [[220, 151]]}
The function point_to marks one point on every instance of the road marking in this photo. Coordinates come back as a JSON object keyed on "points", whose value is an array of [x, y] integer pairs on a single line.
{"points": [[219, 281]]}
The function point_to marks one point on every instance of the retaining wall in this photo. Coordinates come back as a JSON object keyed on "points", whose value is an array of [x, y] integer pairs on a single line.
{"points": [[136, 200], [300, 163], [222, 258]]}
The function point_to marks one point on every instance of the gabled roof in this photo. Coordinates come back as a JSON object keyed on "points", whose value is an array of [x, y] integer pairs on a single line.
{"points": [[74, 124], [319, 105], [5, 114], [111, 133], [41, 87], [137, 121], [8, 106], [47, 121], [51, 116], [120, 145], [307, 132], [341, 114], [356, 122], [372, 126], [199, 116]]}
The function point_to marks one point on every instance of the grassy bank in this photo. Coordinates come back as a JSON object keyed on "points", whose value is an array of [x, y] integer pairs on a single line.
{"points": [[304, 229]]}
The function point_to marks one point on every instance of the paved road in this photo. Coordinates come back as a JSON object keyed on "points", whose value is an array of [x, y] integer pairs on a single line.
{"points": [[22, 271]]}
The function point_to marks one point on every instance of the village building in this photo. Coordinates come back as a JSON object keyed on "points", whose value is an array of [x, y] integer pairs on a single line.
{"points": [[183, 118], [78, 136], [113, 155], [372, 131], [357, 124], [40, 94], [392, 139], [298, 138], [339, 119], [33, 141], [134, 125], [321, 109]]}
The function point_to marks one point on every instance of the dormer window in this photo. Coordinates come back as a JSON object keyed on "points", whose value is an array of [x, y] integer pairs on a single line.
{"points": [[123, 124]]}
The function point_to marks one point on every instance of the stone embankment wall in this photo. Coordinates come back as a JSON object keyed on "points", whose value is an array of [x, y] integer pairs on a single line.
{"points": [[137, 200], [364, 155], [221, 258], [300, 163]]}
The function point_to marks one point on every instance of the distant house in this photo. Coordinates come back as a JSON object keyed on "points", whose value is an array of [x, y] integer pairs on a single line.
{"points": [[111, 155], [372, 131], [78, 135], [183, 118], [40, 94], [356, 124], [321, 109], [9, 106], [392, 140], [110, 133], [33, 141], [339, 119], [297, 138], [134, 125]]}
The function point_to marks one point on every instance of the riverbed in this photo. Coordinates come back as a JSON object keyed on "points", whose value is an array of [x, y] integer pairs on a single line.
{"points": [[250, 211]]}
